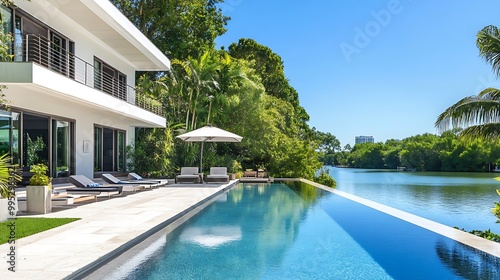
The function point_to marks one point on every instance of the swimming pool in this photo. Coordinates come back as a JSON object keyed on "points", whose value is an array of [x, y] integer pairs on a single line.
{"points": [[297, 231]]}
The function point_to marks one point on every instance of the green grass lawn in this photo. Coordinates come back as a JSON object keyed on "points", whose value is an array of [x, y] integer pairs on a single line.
{"points": [[29, 226]]}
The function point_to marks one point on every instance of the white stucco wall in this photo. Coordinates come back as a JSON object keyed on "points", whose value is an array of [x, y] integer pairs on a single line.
{"points": [[85, 118]]}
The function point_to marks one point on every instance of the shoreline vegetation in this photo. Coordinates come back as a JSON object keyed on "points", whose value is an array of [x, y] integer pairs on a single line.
{"points": [[425, 152]]}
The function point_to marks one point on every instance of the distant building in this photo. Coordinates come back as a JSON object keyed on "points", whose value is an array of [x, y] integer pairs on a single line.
{"points": [[364, 139]]}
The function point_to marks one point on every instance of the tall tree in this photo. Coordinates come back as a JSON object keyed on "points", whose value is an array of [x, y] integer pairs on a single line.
{"points": [[269, 66], [480, 114], [180, 28]]}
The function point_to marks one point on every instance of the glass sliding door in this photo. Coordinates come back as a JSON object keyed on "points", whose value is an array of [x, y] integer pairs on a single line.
{"points": [[97, 149], [35, 138], [61, 148], [9, 135], [5, 125], [15, 136], [120, 149], [58, 55], [109, 149], [6, 23], [18, 40]]}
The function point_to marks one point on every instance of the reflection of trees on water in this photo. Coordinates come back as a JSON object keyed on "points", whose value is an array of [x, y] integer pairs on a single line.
{"points": [[309, 193], [468, 262], [276, 219], [264, 220]]}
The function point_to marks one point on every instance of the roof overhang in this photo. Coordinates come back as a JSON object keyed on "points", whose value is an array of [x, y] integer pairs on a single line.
{"points": [[104, 21]]}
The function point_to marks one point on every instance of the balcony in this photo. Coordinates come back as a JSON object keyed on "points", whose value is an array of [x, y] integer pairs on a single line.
{"points": [[50, 55]]}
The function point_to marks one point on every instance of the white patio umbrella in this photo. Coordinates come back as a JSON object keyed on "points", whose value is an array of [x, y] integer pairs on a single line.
{"points": [[209, 133]]}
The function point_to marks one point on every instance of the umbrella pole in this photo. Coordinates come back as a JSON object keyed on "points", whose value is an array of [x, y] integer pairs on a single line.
{"points": [[201, 157]]}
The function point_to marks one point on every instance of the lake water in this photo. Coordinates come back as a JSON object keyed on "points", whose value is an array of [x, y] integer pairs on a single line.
{"points": [[456, 199]]}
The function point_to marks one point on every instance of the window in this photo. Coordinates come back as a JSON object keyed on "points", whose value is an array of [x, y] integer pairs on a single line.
{"points": [[45, 46], [109, 80]]}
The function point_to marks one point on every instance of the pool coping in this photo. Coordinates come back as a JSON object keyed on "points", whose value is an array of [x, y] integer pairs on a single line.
{"points": [[482, 244]]}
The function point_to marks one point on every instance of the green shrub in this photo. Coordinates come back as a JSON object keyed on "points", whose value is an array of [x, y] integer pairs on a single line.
{"points": [[496, 210], [324, 178], [39, 177]]}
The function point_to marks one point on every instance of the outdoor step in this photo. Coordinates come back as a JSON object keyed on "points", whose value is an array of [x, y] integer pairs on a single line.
{"points": [[56, 201]]}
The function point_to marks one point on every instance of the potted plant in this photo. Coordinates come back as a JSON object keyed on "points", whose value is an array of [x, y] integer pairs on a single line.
{"points": [[235, 170], [8, 200], [39, 191]]}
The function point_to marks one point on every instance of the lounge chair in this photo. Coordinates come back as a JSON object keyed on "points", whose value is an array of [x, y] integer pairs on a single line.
{"points": [[85, 186], [136, 177], [250, 174], [218, 174], [190, 175], [259, 176], [112, 180]]}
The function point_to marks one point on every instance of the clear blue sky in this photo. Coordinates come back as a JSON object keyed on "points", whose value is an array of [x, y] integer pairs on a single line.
{"points": [[384, 68]]}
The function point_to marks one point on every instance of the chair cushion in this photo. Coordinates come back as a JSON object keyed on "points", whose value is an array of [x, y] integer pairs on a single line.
{"points": [[218, 170], [134, 176], [110, 179], [188, 176], [80, 181], [217, 176], [189, 170]]}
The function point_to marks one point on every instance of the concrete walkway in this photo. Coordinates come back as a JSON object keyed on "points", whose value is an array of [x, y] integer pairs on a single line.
{"points": [[104, 226]]}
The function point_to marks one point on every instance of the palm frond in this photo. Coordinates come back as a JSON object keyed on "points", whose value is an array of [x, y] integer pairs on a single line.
{"points": [[488, 42], [489, 132], [472, 110], [490, 93]]}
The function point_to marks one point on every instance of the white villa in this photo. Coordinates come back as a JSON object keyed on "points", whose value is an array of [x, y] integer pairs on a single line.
{"points": [[71, 85]]}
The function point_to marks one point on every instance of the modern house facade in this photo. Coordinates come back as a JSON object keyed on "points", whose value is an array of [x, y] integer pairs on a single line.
{"points": [[71, 83], [363, 139]]}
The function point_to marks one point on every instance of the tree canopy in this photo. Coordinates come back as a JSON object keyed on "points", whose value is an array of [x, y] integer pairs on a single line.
{"points": [[180, 28], [424, 152]]}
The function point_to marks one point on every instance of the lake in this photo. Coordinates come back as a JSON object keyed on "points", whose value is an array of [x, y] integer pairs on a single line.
{"points": [[456, 199]]}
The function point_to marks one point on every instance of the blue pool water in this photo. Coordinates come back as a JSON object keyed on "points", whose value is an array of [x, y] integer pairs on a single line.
{"points": [[297, 231]]}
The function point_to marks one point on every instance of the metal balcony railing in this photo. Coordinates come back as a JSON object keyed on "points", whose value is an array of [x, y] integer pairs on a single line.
{"points": [[48, 54]]}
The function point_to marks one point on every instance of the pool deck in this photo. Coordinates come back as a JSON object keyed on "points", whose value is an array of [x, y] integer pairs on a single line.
{"points": [[105, 225]]}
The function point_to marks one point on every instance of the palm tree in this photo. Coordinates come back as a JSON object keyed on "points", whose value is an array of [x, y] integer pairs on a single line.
{"points": [[479, 115]]}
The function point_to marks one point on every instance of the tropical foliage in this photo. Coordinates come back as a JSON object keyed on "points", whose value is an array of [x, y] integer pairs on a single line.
{"points": [[39, 177], [7, 177], [180, 28], [479, 115], [246, 87], [496, 210]]}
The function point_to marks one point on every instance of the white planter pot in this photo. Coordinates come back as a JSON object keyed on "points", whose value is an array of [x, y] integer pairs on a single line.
{"points": [[38, 199], [5, 213]]}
